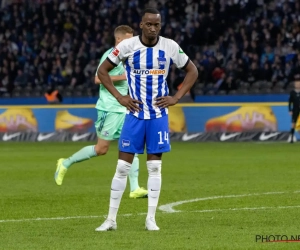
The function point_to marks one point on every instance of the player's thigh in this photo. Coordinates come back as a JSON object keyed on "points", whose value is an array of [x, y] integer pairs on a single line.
{"points": [[108, 125], [157, 135], [132, 138], [119, 125]]}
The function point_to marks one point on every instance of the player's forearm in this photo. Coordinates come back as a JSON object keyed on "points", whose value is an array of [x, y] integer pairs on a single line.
{"points": [[115, 79], [187, 84], [97, 80], [118, 78]]}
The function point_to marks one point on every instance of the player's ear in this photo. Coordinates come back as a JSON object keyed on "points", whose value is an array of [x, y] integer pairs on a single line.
{"points": [[141, 25]]}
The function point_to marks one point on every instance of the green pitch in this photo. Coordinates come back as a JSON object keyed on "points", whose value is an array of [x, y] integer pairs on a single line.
{"points": [[243, 190]]}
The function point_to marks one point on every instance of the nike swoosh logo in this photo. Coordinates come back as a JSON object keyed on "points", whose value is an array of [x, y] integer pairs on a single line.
{"points": [[225, 137], [7, 137], [187, 137], [264, 137], [79, 137], [42, 137]]}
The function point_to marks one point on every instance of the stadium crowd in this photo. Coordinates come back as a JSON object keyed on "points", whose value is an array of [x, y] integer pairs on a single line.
{"points": [[238, 46]]}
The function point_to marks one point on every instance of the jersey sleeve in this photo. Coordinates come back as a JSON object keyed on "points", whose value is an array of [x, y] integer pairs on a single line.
{"points": [[180, 59], [118, 54]]}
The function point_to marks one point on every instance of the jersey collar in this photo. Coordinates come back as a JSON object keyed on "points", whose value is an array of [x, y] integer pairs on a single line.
{"points": [[146, 45]]}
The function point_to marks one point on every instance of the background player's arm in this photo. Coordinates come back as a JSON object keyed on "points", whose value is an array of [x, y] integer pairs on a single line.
{"points": [[105, 79], [113, 78], [290, 103]]}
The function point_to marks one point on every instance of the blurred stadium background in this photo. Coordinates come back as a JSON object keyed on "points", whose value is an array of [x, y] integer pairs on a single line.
{"points": [[247, 54], [239, 46]]}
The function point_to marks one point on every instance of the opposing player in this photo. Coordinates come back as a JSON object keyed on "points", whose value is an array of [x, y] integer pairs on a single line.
{"points": [[110, 121], [294, 107], [147, 60]]}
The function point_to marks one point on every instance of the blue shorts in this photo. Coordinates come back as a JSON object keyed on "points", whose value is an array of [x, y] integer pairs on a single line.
{"points": [[137, 132]]}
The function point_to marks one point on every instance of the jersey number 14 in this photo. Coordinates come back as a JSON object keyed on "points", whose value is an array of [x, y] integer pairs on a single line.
{"points": [[166, 137]]}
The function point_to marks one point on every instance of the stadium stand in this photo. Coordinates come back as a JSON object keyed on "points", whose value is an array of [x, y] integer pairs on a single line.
{"points": [[239, 46]]}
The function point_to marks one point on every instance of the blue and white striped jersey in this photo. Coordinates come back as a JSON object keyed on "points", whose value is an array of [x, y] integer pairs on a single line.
{"points": [[147, 69]]}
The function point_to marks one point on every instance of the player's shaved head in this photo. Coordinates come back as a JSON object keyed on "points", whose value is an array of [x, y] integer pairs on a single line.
{"points": [[150, 11]]}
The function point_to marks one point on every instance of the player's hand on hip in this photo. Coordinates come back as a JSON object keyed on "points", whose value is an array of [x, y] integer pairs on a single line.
{"points": [[129, 103], [166, 101]]}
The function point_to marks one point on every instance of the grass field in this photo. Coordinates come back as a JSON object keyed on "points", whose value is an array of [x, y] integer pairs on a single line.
{"points": [[243, 190]]}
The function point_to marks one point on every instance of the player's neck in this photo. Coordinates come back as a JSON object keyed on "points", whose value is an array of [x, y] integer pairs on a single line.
{"points": [[148, 43]]}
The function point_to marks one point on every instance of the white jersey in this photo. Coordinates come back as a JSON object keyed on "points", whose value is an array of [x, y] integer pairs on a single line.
{"points": [[147, 69]]}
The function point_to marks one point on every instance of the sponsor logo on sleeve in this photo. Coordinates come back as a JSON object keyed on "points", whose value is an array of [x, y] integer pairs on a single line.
{"points": [[181, 51], [115, 52]]}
